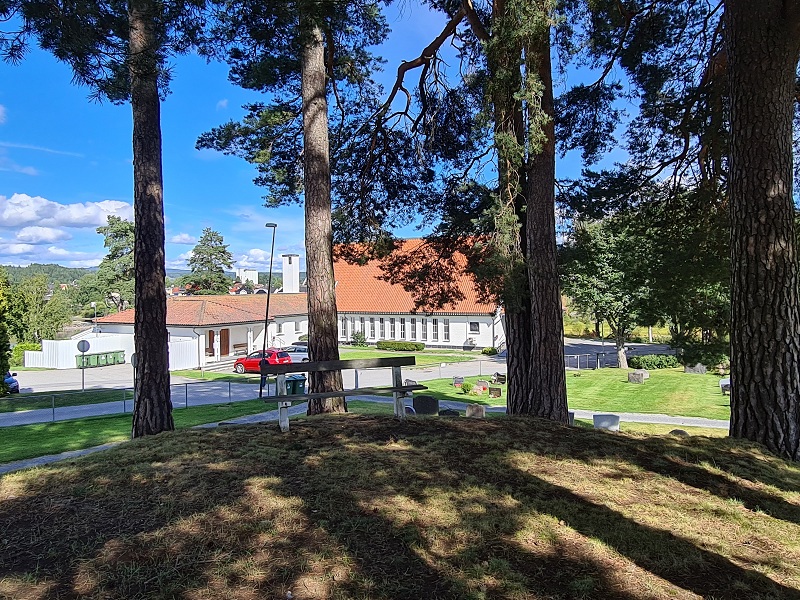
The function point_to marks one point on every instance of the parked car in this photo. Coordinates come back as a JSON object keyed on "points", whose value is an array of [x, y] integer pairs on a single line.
{"points": [[11, 383], [252, 362], [298, 353]]}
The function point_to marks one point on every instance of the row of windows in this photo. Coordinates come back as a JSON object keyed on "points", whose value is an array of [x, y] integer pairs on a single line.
{"points": [[368, 328]]}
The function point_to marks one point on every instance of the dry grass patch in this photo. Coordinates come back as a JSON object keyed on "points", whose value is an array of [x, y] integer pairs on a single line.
{"points": [[366, 507]]}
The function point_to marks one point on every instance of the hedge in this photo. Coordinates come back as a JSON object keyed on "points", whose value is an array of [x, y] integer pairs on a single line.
{"points": [[653, 361], [18, 353], [400, 346]]}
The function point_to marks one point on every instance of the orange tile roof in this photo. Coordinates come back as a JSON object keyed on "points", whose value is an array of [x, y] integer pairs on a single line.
{"points": [[196, 311], [360, 289]]}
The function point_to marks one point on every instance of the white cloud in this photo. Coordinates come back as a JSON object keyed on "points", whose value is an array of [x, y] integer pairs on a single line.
{"points": [[186, 255], [3, 114], [183, 238], [222, 104], [21, 210], [16, 249], [38, 235]]}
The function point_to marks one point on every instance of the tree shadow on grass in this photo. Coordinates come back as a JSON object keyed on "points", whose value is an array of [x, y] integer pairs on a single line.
{"points": [[358, 516], [682, 459], [350, 507]]}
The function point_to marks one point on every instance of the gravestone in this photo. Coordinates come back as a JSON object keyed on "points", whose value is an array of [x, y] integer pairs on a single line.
{"points": [[499, 378], [679, 432], [698, 369], [634, 377], [426, 405], [571, 417], [476, 411], [495, 392], [482, 383], [645, 373], [458, 381], [607, 422], [449, 412], [410, 382]]}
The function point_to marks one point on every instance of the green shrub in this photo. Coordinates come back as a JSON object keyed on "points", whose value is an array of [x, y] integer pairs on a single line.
{"points": [[466, 388], [490, 351], [18, 353], [303, 338], [400, 346], [710, 355], [653, 361], [358, 338]]}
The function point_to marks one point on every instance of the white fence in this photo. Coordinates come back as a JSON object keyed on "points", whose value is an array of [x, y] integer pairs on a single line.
{"points": [[183, 355], [60, 354]]}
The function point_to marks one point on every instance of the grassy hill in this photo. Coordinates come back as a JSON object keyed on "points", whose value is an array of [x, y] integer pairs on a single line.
{"points": [[366, 507]]}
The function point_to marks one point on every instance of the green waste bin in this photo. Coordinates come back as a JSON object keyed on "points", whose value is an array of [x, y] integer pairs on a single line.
{"points": [[81, 361], [296, 384], [111, 358], [92, 359], [120, 357], [102, 360]]}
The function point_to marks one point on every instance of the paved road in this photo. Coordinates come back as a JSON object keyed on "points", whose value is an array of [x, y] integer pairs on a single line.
{"points": [[194, 392]]}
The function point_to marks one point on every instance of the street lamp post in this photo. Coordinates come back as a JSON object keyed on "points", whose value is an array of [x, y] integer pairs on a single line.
{"points": [[263, 363], [94, 306]]}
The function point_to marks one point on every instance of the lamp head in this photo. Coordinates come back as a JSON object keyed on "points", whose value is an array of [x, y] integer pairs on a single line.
{"points": [[272, 225]]}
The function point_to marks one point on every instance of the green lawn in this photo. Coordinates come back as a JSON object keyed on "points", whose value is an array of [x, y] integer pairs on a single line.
{"points": [[217, 376], [668, 391], [28, 441]]}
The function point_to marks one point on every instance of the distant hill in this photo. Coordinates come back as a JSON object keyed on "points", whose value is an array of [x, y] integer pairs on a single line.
{"points": [[54, 273]]}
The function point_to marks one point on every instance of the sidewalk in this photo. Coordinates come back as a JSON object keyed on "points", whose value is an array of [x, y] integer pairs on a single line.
{"points": [[300, 409]]}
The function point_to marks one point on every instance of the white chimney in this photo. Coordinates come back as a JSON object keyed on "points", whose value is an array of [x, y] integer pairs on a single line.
{"points": [[291, 273]]}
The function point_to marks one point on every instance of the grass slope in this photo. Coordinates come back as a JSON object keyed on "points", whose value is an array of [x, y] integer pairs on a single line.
{"points": [[365, 507]]}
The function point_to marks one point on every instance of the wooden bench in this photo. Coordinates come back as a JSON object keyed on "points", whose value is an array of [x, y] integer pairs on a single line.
{"points": [[240, 348], [397, 389]]}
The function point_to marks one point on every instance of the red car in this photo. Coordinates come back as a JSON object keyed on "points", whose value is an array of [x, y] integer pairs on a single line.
{"points": [[252, 362]]}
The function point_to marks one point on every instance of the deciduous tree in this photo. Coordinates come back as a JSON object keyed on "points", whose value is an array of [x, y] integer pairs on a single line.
{"points": [[115, 275]]}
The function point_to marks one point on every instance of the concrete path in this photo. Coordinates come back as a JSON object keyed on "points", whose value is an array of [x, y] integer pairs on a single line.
{"points": [[300, 409]]}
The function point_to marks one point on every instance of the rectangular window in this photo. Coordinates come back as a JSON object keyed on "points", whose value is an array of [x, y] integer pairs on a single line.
{"points": [[279, 327], [391, 329], [372, 328], [383, 329], [297, 328], [344, 327], [446, 332], [361, 322], [424, 330], [435, 332], [474, 327], [402, 329], [413, 329]]}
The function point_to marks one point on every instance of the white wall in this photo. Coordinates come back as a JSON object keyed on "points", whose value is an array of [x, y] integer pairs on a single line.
{"points": [[60, 354], [490, 329], [291, 273]]}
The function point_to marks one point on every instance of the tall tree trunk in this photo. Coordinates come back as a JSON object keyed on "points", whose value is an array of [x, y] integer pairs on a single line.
{"points": [[622, 356], [322, 326], [152, 412], [762, 46], [548, 394]]}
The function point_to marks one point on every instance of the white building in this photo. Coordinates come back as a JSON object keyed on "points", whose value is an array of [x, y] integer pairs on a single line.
{"points": [[245, 275]]}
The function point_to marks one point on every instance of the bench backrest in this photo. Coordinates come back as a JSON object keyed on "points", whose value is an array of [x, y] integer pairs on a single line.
{"points": [[338, 365]]}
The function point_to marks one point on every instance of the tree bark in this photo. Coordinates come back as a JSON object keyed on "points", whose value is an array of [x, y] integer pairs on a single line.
{"points": [[548, 391], [152, 411], [762, 45], [322, 316]]}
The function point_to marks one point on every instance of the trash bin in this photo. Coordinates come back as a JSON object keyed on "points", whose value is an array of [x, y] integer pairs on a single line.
{"points": [[81, 362], [92, 358], [120, 357], [296, 384], [111, 358], [102, 360]]}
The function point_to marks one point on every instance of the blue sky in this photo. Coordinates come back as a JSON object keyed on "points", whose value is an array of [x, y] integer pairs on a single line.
{"points": [[66, 161]]}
